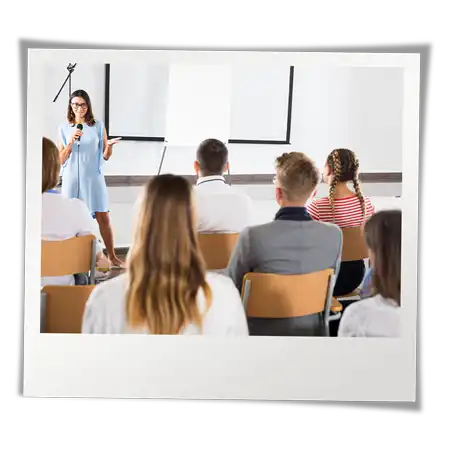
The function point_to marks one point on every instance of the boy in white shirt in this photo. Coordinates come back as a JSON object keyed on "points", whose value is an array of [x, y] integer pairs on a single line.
{"points": [[220, 207]]}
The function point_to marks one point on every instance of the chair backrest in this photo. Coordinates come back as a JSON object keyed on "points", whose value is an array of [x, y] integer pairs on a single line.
{"points": [[217, 248], [273, 296], [354, 246], [62, 308], [69, 256]]}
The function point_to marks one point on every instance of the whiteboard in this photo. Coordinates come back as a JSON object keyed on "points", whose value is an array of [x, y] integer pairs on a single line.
{"points": [[260, 102], [259, 96], [199, 103], [138, 100]]}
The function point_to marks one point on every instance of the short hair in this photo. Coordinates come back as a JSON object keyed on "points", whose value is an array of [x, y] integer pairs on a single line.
{"points": [[212, 156], [51, 164], [383, 234], [296, 175]]}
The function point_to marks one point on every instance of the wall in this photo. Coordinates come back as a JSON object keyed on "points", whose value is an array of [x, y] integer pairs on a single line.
{"points": [[359, 108], [123, 199]]}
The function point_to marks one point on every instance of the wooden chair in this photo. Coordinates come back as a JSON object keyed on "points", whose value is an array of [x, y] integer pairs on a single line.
{"points": [[354, 248], [217, 248], [273, 296], [69, 256], [62, 308]]}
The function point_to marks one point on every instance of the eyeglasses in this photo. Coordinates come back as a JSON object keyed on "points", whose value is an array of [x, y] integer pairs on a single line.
{"points": [[78, 105]]}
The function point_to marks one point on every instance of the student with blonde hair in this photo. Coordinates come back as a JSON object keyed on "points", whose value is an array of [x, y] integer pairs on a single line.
{"points": [[62, 217], [166, 289], [291, 244], [379, 316]]}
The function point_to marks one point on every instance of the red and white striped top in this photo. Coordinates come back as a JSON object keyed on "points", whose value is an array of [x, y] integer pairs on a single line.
{"points": [[347, 211]]}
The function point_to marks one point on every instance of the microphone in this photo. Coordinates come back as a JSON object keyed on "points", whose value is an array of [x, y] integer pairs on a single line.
{"points": [[80, 127]]}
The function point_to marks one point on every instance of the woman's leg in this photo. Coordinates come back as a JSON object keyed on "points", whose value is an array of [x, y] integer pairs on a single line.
{"points": [[104, 224]]}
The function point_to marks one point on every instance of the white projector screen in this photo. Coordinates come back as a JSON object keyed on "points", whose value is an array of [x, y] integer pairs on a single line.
{"points": [[260, 102], [139, 100], [199, 104]]}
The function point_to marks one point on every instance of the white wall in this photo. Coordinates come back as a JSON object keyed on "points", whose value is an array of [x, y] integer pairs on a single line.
{"points": [[122, 201], [359, 108], [90, 78]]}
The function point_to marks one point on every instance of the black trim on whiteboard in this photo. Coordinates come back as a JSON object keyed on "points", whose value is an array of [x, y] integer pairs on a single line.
{"points": [[289, 112], [230, 141], [107, 92], [139, 138]]}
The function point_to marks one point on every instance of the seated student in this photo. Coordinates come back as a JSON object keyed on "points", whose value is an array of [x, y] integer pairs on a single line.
{"points": [[345, 208], [166, 289], [62, 218], [292, 244], [379, 316], [221, 208]]}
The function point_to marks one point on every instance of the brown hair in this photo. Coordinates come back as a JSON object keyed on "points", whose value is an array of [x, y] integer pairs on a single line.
{"points": [[51, 164], [212, 155], [165, 265], [296, 175], [89, 116], [344, 165], [383, 234]]}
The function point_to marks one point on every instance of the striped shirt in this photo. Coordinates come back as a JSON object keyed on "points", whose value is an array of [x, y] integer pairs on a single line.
{"points": [[347, 211]]}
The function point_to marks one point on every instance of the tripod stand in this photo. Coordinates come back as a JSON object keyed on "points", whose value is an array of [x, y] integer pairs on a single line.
{"points": [[70, 68]]}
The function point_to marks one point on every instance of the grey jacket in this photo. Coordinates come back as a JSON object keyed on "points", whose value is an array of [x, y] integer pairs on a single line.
{"points": [[286, 247]]}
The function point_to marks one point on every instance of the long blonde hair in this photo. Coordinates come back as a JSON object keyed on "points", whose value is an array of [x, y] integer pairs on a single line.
{"points": [[165, 265]]}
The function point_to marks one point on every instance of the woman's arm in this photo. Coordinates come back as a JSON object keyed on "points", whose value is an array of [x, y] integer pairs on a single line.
{"points": [[64, 151]]}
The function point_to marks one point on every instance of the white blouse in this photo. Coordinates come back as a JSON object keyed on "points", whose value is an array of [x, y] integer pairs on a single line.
{"points": [[105, 309], [373, 317], [64, 218]]}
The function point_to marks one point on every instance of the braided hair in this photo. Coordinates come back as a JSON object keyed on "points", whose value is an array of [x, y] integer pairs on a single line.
{"points": [[344, 165]]}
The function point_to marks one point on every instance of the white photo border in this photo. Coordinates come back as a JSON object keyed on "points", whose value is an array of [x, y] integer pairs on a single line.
{"points": [[265, 368]]}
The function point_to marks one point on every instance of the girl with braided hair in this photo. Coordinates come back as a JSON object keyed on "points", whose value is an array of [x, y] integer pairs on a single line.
{"points": [[344, 207]]}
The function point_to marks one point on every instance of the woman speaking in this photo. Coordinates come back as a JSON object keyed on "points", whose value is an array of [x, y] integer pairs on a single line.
{"points": [[83, 147]]}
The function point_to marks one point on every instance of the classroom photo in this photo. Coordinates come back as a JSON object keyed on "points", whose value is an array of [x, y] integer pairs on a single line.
{"points": [[239, 199]]}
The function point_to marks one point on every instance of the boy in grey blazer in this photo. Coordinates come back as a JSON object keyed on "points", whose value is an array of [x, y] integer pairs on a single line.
{"points": [[292, 244]]}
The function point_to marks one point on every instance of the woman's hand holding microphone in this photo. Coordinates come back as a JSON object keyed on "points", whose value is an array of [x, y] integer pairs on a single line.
{"points": [[76, 136]]}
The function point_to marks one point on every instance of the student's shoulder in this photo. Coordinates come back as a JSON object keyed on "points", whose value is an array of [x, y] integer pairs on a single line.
{"points": [[321, 201], [260, 229], [368, 202], [328, 227], [362, 307], [108, 290], [221, 283], [328, 233], [75, 204], [239, 197]]}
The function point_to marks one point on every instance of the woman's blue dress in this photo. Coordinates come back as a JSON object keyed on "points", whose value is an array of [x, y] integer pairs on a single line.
{"points": [[82, 175]]}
